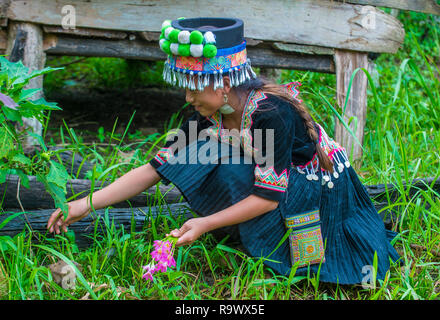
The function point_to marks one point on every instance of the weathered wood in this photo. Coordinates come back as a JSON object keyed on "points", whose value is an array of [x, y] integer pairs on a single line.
{"points": [[143, 50], [355, 111], [290, 47], [128, 218], [426, 6], [36, 196], [4, 5], [319, 22], [25, 43], [87, 32]]}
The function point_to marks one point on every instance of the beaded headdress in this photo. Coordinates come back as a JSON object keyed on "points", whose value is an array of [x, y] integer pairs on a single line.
{"points": [[204, 49]]}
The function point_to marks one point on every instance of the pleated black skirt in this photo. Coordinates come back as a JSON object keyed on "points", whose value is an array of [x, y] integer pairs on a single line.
{"points": [[337, 232]]}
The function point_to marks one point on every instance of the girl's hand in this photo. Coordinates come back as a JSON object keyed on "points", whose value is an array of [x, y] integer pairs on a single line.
{"points": [[191, 231], [78, 209]]}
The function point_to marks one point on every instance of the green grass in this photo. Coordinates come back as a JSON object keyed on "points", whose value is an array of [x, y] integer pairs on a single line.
{"points": [[402, 142]]}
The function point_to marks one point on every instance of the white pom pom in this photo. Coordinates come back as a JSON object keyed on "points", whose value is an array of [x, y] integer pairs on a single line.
{"points": [[209, 37], [166, 23], [183, 37], [167, 32], [330, 184], [161, 41], [196, 50], [174, 47]]}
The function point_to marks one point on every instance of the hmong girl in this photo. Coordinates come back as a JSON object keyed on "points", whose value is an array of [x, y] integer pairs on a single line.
{"points": [[291, 180]]}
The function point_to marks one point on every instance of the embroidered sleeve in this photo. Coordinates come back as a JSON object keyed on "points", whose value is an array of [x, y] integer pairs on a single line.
{"points": [[168, 150], [274, 155]]}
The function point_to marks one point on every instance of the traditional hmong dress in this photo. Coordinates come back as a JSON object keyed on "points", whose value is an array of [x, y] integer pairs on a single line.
{"points": [[332, 223]]}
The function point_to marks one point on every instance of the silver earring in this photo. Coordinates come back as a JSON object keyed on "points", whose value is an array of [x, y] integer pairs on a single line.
{"points": [[226, 108]]}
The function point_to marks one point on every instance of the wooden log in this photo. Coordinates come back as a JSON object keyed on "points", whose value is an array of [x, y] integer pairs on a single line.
{"points": [[25, 43], [143, 50], [320, 22], [36, 196], [426, 6], [134, 219], [354, 112]]}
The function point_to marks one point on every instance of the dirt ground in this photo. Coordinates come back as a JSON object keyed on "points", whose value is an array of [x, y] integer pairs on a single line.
{"points": [[89, 110]]}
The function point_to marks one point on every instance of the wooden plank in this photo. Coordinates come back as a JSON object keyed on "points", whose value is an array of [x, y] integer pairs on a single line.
{"points": [[346, 62], [298, 48], [426, 6], [143, 50], [87, 32], [318, 22]]}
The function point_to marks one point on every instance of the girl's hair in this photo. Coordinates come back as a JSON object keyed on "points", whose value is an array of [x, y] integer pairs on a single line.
{"points": [[266, 86]]}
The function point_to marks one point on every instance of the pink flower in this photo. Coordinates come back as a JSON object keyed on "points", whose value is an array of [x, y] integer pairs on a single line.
{"points": [[150, 270], [161, 266], [163, 254]]}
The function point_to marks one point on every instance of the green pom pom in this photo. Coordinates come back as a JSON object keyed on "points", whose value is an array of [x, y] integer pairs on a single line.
{"points": [[162, 36], [166, 47], [209, 51], [184, 50], [196, 37], [174, 36]]}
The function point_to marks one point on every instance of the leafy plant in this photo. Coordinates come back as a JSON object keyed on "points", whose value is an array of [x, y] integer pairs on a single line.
{"points": [[17, 104]]}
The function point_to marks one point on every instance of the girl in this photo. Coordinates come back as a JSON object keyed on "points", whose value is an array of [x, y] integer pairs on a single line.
{"points": [[291, 182]]}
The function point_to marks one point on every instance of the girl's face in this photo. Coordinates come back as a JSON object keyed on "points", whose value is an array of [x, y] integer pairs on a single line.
{"points": [[206, 102]]}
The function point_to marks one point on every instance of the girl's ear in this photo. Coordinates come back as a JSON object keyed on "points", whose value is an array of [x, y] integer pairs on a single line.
{"points": [[226, 84]]}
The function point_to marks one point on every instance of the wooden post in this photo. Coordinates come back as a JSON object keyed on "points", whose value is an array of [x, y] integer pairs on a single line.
{"points": [[25, 43], [355, 112]]}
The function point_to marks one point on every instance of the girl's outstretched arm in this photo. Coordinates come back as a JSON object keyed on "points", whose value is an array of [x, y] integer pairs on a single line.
{"points": [[246, 209], [126, 187]]}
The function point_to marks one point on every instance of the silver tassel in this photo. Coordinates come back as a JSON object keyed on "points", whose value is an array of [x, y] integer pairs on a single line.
{"points": [[242, 77], [206, 81], [215, 80], [231, 77], [237, 78], [249, 66], [199, 82], [184, 80], [174, 78], [191, 84], [220, 79]]}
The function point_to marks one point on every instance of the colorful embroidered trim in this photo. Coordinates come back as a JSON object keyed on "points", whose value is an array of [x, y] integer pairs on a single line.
{"points": [[183, 70], [334, 151], [251, 106], [216, 129], [291, 89], [234, 58], [270, 180], [302, 219], [306, 245], [163, 155]]}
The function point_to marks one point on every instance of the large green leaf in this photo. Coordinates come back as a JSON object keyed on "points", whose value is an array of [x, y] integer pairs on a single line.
{"points": [[6, 142], [57, 174]]}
